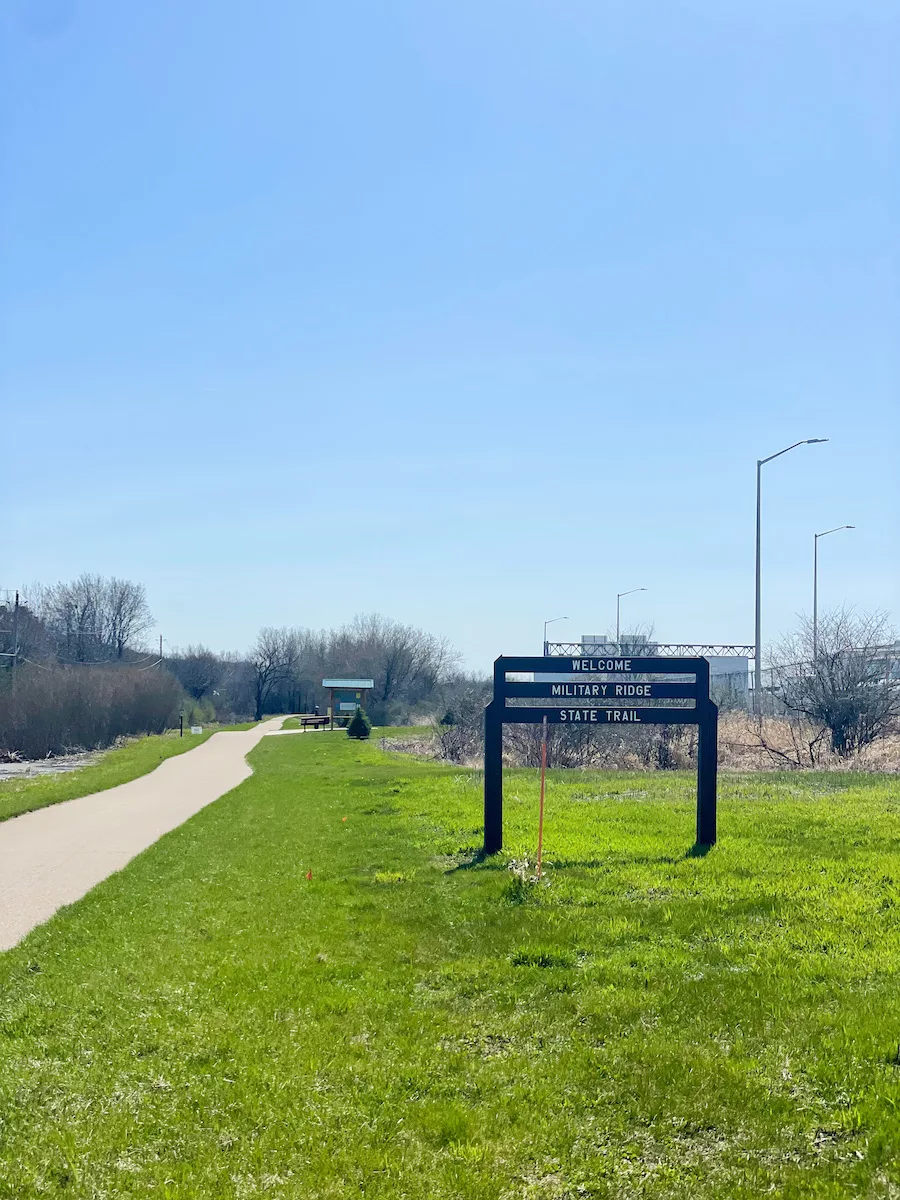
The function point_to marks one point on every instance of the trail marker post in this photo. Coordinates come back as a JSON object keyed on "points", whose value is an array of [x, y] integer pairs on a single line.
{"points": [[602, 691], [540, 849]]}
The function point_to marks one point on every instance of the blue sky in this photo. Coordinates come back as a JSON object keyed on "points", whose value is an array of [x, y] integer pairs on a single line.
{"points": [[472, 314]]}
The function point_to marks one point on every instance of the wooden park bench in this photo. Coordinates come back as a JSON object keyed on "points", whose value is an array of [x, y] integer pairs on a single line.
{"points": [[315, 722]]}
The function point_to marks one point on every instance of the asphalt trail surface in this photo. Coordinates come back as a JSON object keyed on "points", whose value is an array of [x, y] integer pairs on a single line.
{"points": [[55, 855]]}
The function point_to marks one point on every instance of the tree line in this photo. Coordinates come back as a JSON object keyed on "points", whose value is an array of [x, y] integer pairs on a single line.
{"points": [[413, 671], [92, 619], [77, 675], [79, 672]]}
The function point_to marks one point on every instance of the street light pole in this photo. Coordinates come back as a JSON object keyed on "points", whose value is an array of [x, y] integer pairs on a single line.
{"points": [[619, 596], [550, 622], [757, 633], [816, 537]]}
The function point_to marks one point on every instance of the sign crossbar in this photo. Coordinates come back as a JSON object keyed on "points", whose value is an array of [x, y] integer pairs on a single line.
{"points": [[617, 690]]}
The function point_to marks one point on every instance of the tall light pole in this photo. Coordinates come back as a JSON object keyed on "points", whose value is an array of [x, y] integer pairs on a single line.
{"points": [[550, 622], [816, 537], [757, 634], [619, 596]]}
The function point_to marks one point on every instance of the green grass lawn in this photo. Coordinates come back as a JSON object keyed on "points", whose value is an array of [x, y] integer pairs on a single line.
{"points": [[412, 1022], [127, 762]]}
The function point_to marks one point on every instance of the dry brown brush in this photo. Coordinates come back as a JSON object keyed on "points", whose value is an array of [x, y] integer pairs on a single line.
{"points": [[83, 708], [746, 743]]}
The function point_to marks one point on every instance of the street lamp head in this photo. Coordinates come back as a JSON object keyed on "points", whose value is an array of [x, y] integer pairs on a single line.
{"points": [[837, 529], [760, 462]]}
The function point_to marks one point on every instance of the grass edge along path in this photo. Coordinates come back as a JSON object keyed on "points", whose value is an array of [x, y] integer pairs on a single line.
{"points": [[139, 756], [315, 987]]}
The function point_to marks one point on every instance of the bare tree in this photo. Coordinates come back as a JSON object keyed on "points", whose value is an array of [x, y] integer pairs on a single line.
{"points": [[846, 693], [94, 619], [311, 668], [125, 613], [197, 669], [237, 685], [273, 660], [459, 733], [73, 612], [406, 663]]}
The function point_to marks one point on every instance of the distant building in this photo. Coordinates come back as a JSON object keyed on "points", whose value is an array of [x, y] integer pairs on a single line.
{"points": [[891, 656]]}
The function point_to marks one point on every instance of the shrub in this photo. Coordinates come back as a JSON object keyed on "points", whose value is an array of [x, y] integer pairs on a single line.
{"points": [[83, 708], [360, 726], [838, 678], [199, 712]]}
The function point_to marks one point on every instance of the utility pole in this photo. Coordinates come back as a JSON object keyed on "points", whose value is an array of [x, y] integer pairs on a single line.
{"points": [[160, 651], [15, 638]]}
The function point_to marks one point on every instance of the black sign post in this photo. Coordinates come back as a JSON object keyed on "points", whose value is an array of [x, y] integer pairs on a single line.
{"points": [[603, 692]]}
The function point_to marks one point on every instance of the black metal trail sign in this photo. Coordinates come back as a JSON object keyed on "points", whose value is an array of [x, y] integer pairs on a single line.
{"points": [[601, 692]]}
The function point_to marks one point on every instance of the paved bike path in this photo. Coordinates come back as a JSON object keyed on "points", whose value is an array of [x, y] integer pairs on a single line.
{"points": [[55, 855]]}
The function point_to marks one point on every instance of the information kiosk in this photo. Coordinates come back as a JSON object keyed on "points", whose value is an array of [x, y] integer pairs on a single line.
{"points": [[347, 695]]}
